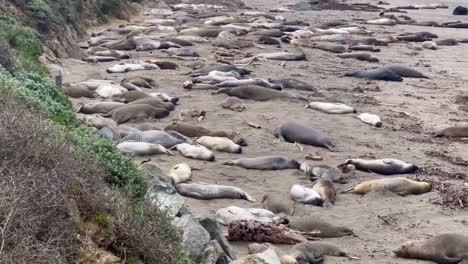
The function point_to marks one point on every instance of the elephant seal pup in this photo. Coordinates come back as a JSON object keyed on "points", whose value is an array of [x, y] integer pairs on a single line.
{"points": [[189, 130], [327, 191], [167, 139], [255, 93], [370, 119], [362, 56], [225, 216], [399, 185], [461, 131], [430, 45], [305, 195], [180, 173], [195, 152], [141, 148], [404, 71], [382, 166], [140, 81], [156, 102], [219, 144], [307, 223], [128, 112], [265, 163], [278, 204], [442, 249], [207, 191], [130, 96], [79, 91], [323, 172], [98, 108], [294, 132], [111, 133], [283, 56], [376, 74], [331, 108], [294, 84], [305, 250], [266, 40]]}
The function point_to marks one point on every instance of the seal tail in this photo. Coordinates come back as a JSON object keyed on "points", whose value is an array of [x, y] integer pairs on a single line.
{"points": [[247, 197]]}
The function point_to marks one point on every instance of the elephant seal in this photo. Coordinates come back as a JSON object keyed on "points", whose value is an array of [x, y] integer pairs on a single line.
{"points": [[266, 40], [404, 71], [96, 59], [207, 191], [446, 42], [222, 68], [98, 121], [177, 41], [305, 195], [167, 139], [195, 152], [362, 56], [294, 84], [164, 65], [125, 130], [283, 56], [134, 111], [294, 132], [382, 166], [156, 102], [461, 131], [399, 185], [128, 67], [328, 46], [265, 163], [189, 130], [429, 45], [123, 44], [109, 90], [221, 144], [443, 249], [79, 91], [331, 108], [376, 74], [225, 216], [370, 119], [93, 50], [254, 81], [140, 81], [278, 204], [323, 172], [131, 96], [412, 38], [141, 148], [313, 252], [180, 173], [308, 224], [182, 52], [112, 53], [111, 133], [363, 47], [327, 191], [255, 93]]}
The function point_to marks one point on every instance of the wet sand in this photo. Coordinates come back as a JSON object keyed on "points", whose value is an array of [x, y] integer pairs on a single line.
{"points": [[410, 110]]}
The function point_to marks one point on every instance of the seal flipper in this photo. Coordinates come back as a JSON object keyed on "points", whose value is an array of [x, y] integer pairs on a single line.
{"points": [[247, 197], [327, 204]]}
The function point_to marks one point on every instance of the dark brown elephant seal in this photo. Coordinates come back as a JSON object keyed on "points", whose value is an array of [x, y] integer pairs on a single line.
{"points": [[128, 112], [156, 102], [256, 93], [442, 249], [461, 131], [294, 132], [278, 204], [308, 223], [131, 96], [78, 91], [189, 130], [140, 81]]}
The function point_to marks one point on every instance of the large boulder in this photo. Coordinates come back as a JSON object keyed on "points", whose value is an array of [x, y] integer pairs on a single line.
{"points": [[195, 238], [214, 254], [216, 233], [460, 11]]}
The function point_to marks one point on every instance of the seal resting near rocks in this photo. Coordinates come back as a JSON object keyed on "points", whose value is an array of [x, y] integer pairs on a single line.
{"points": [[382, 166], [313, 252], [221, 144], [256, 93], [327, 191], [461, 131], [265, 163], [278, 204], [195, 152], [207, 191], [398, 185], [128, 112], [331, 108], [442, 249], [225, 216], [141, 148], [307, 223], [78, 91], [180, 173], [305, 195], [294, 132]]}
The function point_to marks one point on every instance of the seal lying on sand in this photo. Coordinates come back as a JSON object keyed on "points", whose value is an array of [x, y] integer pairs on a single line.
{"points": [[156, 102], [130, 96], [225, 216], [443, 249], [305, 195], [307, 223], [323, 172], [222, 68], [166, 139], [195, 152], [393, 72], [207, 191], [283, 56], [125, 113], [180, 173], [382, 166], [362, 56], [331, 108], [398, 185], [141, 148], [294, 132], [219, 144], [140, 81], [293, 84], [327, 191], [189, 130], [78, 91], [278, 204], [461, 131], [313, 252], [265, 163], [256, 93]]}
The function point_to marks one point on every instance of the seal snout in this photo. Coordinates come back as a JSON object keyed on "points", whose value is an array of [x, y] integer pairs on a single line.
{"points": [[378, 124], [211, 158], [238, 150]]}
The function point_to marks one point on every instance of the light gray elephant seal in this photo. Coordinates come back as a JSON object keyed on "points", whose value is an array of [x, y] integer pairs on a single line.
{"points": [[255, 93], [313, 252], [221, 68], [278, 204], [443, 249], [207, 191], [294, 132], [323, 172], [156, 102], [98, 108], [167, 139], [307, 223], [128, 112], [376, 74], [130, 96], [265, 163], [382, 166], [461, 131], [294, 84]]}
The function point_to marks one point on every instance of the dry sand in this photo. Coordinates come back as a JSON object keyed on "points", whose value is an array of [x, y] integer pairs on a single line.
{"points": [[409, 111]]}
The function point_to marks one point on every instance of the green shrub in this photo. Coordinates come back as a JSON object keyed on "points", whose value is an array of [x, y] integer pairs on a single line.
{"points": [[40, 9]]}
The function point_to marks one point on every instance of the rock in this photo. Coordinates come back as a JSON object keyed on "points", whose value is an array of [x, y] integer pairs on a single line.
{"points": [[269, 256], [214, 254], [460, 11], [195, 237], [161, 191], [214, 229]]}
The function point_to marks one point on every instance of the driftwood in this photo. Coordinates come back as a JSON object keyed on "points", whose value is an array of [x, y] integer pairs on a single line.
{"points": [[272, 233]]}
